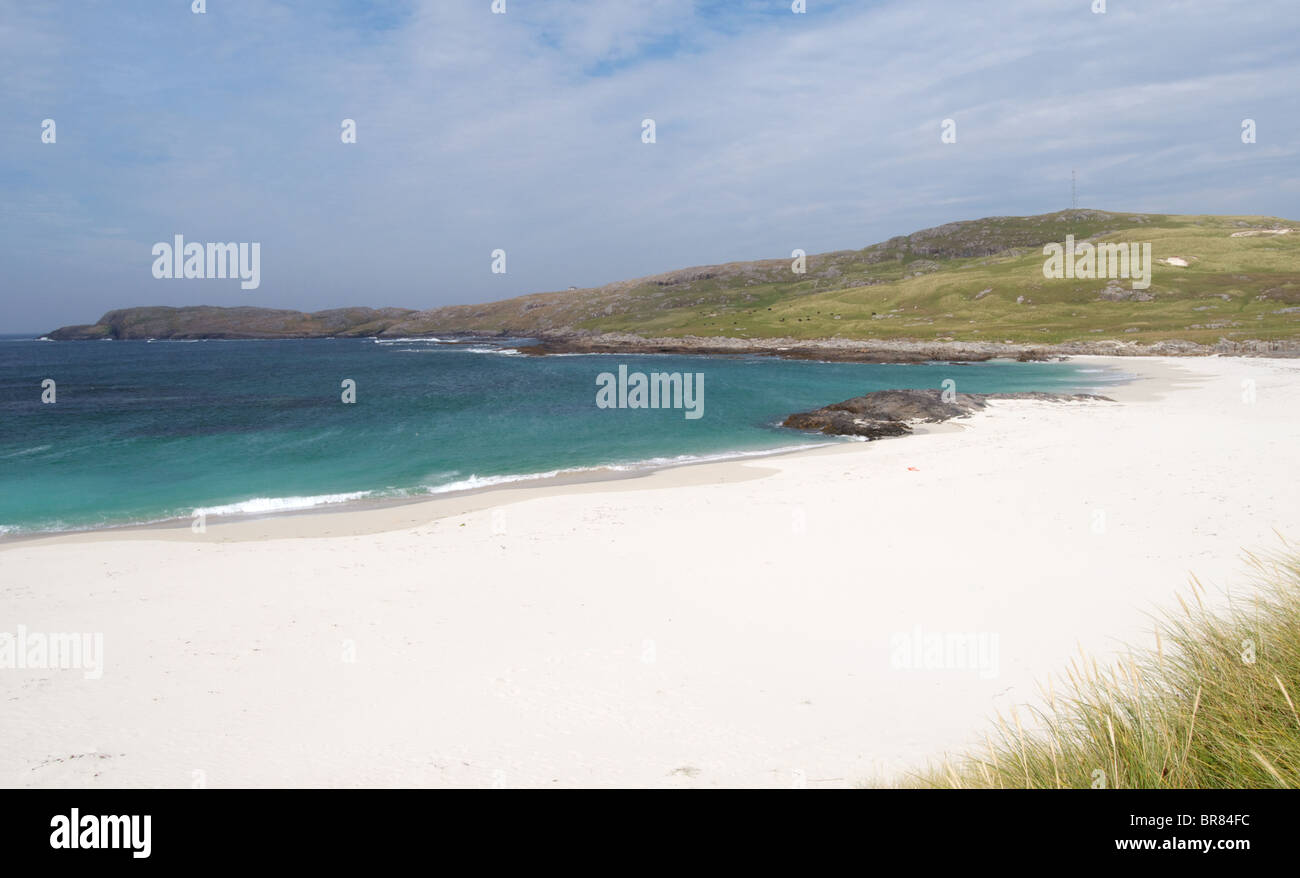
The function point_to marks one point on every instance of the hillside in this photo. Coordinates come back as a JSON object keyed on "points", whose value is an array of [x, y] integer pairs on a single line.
{"points": [[970, 281], [205, 321], [1231, 277]]}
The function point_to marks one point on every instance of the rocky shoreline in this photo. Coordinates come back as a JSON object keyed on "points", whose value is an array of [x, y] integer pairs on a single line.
{"points": [[895, 351], [884, 413], [205, 322]]}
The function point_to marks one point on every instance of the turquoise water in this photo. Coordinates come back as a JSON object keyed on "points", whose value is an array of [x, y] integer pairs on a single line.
{"points": [[146, 431]]}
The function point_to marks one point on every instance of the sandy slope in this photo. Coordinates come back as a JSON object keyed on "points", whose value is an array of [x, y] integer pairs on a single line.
{"points": [[722, 624]]}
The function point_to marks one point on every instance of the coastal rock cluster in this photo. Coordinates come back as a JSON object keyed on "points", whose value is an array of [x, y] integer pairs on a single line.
{"points": [[208, 322], [885, 413], [893, 350]]}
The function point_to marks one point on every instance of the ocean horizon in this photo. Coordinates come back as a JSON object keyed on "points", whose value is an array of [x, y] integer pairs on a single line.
{"points": [[143, 432]]}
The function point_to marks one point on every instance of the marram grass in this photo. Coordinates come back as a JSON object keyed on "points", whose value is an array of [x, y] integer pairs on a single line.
{"points": [[1213, 705]]}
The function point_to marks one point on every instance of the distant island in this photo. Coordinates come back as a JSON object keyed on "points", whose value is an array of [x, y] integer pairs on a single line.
{"points": [[966, 290]]}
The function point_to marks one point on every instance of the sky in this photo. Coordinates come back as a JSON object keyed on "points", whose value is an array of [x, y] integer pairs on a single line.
{"points": [[522, 131]]}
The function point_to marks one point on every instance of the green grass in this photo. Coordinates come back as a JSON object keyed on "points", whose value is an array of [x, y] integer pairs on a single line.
{"points": [[925, 286], [1193, 712]]}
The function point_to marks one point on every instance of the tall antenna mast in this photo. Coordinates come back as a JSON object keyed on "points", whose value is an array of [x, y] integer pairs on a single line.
{"points": [[1074, 192]]}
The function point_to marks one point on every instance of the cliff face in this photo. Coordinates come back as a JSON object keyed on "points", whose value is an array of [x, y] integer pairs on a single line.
{"points": [[203, 321]]}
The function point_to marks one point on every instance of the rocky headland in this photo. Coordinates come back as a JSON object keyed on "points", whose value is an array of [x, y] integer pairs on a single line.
{"points": [[209, 322]]}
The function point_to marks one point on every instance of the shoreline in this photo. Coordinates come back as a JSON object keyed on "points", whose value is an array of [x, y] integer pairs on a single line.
{"points": [[466, 499], [557, 480], [893, 351], [881, 351], [720, 624]]}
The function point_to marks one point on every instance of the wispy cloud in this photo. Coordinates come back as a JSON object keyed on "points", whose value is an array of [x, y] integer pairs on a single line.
{"points": [[522, 131]]}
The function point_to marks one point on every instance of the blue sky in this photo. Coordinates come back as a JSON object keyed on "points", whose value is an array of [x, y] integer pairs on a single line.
{"points": [[522, 131]]}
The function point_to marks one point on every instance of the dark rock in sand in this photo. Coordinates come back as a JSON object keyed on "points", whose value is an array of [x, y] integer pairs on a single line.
{"points": [[890, 412], [841, 423]]}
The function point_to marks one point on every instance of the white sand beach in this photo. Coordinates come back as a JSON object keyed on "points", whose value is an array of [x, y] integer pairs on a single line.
{"points": [[724, 624]]}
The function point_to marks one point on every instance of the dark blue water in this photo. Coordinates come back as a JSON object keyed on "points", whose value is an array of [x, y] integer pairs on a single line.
{"points": [[146, 431]]}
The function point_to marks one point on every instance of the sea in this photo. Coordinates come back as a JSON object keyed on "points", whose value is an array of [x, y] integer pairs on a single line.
{"points": [[98, 434]]}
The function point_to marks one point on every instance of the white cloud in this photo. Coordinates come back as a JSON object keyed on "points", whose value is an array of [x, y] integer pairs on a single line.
{"points": [[477, 131]]}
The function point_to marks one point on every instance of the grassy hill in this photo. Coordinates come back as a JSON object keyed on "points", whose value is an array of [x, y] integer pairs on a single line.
{"points": [[980, 280], [1213, 278], [206, 321]]}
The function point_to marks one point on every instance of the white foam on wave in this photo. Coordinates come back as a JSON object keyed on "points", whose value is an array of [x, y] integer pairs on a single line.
{"points": [[260, 505], [26, 451], [268, 505], [508, 352], [475, 482], [505, 352], [54, 527]]}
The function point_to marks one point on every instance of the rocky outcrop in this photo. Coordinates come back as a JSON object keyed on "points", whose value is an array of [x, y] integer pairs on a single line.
{"points": [[788, 349], [204, 321], [894, 350], [834, 422], [885, 413], [1114, 291]]}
